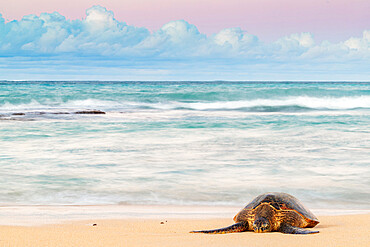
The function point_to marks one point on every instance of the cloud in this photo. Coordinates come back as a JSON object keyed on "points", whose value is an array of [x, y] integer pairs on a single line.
{"points": [[234, 37], [359, 44], [52, 34], [177, 46]]}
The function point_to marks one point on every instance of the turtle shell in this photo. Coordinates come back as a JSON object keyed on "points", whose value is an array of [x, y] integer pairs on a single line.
{"points": [[283, 201]]}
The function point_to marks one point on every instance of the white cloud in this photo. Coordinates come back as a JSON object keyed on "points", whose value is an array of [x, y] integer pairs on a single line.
{"points": [[99, 36], [362, 44], [293, 46], [100, 19], [181, 31], [235, 37]]}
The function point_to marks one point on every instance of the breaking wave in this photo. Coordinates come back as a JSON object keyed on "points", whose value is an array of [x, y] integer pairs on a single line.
{"points": [[288, 104]]}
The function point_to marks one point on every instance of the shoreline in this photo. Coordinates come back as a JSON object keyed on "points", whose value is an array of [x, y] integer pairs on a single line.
{"points": [[339, 230], [37, 215]]}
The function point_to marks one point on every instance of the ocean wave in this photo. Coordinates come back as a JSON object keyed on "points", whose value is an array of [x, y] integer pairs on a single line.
{"points": [[288, 104], [57, 106], [297, 103]]}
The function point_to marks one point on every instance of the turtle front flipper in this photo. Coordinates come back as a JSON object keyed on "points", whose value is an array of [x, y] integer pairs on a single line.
{"points": [[238, 227], [288, 229]]}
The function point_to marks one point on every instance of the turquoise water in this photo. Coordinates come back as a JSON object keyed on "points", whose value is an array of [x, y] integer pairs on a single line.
{"points": [[184, 143]]}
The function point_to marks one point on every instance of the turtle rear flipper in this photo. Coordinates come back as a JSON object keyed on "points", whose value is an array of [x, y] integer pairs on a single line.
{"points": [[288, 229], [238, 227]]}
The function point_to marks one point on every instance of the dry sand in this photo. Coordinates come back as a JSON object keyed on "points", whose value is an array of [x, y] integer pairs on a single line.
{"points": [[347, 230]]}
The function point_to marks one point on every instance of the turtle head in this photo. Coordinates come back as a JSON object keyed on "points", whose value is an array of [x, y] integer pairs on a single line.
{"points": [[261, 225]]}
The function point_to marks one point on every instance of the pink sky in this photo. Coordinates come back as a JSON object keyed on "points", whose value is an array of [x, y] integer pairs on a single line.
{"points": [[333, 20]]}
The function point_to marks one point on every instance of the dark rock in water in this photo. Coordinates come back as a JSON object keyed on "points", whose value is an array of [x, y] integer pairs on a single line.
{"points": [[90, 112], [60, 113], [16, 119], [18, 114]]}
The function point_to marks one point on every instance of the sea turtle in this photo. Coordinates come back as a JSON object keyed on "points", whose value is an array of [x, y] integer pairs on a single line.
{"points": [[271, 212]]}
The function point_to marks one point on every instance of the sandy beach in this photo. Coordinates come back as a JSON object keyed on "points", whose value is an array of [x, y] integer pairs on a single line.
{"points": [[337, 230]]}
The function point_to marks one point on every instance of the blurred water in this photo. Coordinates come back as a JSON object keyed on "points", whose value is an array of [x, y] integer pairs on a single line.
{"points": [[198, 143]]}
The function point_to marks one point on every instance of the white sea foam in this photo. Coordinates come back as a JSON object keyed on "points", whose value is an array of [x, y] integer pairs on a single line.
{"points": [[308, 102], [325, 103], [71, 165]]}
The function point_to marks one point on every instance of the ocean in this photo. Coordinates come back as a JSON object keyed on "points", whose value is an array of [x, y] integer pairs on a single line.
{"points": [[184, 143]]}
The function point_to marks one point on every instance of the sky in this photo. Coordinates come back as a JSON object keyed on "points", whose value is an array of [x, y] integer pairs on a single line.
{"points": [[185, 40]]}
